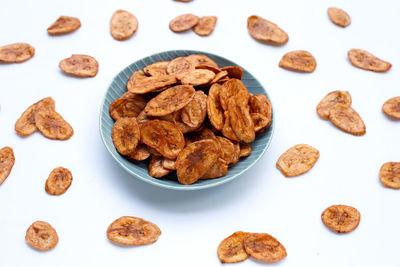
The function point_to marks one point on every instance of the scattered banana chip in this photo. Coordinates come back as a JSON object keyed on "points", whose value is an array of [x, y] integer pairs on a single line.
{"points": [[52, 125], [215, 111], [264, 247], [366, 61], [347, 119], [157, 68], [80, 65], [240, 120], [205, 26], [201, 60], [392, 107], [234, 72], [129, 105], [183, 23], [7, 160], [298, 60], [297, 160], [41, 236], [156, 168], [141, 153], [149, 84], [123, 25], [330, 100], [194, 113], [16, 53], [231, 249], [60, 179], [341, 218], [133, 231], [64, 25], [126, 135], [266, 31], [390, 175], [196, 77], [339, 17]]}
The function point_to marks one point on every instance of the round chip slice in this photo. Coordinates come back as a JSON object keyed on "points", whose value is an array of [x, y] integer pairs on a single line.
{"points": [[131, 231], [179, 65], [126, 135], [52, 125], [347, 119], [390, 175], [266, 31], [16, 53], [80, 65], [214, 110], [341, 218], [41, 236], [299, 60], [197, 60], [195, 160], [64, 25], [336, 97], [240, 120], [205, 26], [367, 61], [297, 160], [231, 249], [339, 17], [392, 107], [157, 68], [183, 23], [156, 168], [196, 77], [129, 105], [59, 181], [7, 160], [149, 84], [264, 247], [194, 113], [123, 25]]}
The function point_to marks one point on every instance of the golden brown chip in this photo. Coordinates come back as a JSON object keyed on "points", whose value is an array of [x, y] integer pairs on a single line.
{"points": [[390, 175], [80, 65], [336, 97], [236, 154], [341, 218], [264, 247], [196, 77], [392, 107], [260, 122], [149, 84], [205, 26], [131, 231], [7, 160], [234, 72], [297, 160], [240, 120], [126, 135], [219, 169], [231, 249], [366, 61], [231, 88], [183, 23], [197, 59], [142, 117], [260, 104], [141, 153], [52, 125], [194, 113], [227, 128], [168, 164], [157, 68], [214, 110], [163, 136], [179, 65], [123, 25], [339, 17], [245, 150], [41, 236], [16, 53], [59, 181], [266, 31], [64, 25], [298, 60], [227, 149], [137, 75], [170, 100], [129, 105], [195, 160], [153, 152], [156, 168], [347, 119], [219, 76], [25, 125], [175, 118]]}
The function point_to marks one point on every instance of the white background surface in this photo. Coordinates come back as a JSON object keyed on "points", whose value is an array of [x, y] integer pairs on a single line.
{"points": [[262, 200]]}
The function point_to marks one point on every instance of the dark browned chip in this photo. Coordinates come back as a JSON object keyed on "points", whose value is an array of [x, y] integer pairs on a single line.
{"points": [[64, 25], [196, 77], [205, 26], [231, 249], [149, 84], [16, 53], [297, 160], [367, 61], [197, 59], [7, 160], [234, 72], [389, 175], [339, 17], [214, 110], [157, 68], [126, 135], [341, 218], [347, 119], [141, 153], [392, 107], [59, 181], [194, 113], [80, 65], [298, 60], [266, 31], [330, 100], [52, 125], [123, 25], [41, 236], [132, 231], [264, 247], [156, 168], [183, 23], [128, 105]]}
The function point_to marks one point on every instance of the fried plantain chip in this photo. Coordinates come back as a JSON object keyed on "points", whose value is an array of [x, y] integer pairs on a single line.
{"points": [[298, 60], [245, 150], [264, 247], [183, 23], [141, 153], [339, 17], [266, 31], [336, 97], [227, 128], [196, 77], [389, 175], [16, 53], [392, 107], [341, 218], [52, 125], [157, 68], [347, 119], [7, 160], [234, 72], [123, 25], [260, 104], [219, 76], [214, 110], [80, 65], [297, 160], [128, 105], [231, 88], [149, 84], [194, 113], [41, 236], [205, 26], [156, 168], [58, 182], [126, 135], [240, 120], [64, 25], [179, 65], [367, 61], [236, 154], [219, 169], [231, 249], [227, 149], [168, 164], [197, 59]]}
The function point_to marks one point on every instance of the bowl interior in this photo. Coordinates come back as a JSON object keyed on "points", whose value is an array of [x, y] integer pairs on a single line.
{"points": [[139, 169]]}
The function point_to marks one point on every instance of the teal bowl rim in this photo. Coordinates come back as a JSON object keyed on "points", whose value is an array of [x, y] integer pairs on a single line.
{"points": [[194, 186]]}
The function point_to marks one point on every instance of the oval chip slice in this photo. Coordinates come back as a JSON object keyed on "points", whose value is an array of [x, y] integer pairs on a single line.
{"points": [[183, 23], [392, 107], [194, 113], [260, 104], [214, 110], [389, 175], [131, 231], [157, 68], [367, 61], [195, 160], [260, 122], [149, 84], [52, 125], [231, 88], [341, 218], [264, 247], [227, 149], [234, 72], [179, 65], [80, 65], [205, 26], [64, 25], [141, 153], [339, 17], [58, 182], [347, 119], [231, 249], [123, 25], [7, 160], [240, 120], [297, 160], [41, 236], [16, 53], [196, 77], [126, 135], [129, 105], [198, 60], [266, 31], [330, 100], [156, 168], [298, 60]]}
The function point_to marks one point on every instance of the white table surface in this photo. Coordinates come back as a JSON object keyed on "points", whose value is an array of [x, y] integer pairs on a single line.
{"points": [[262, 200]]}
